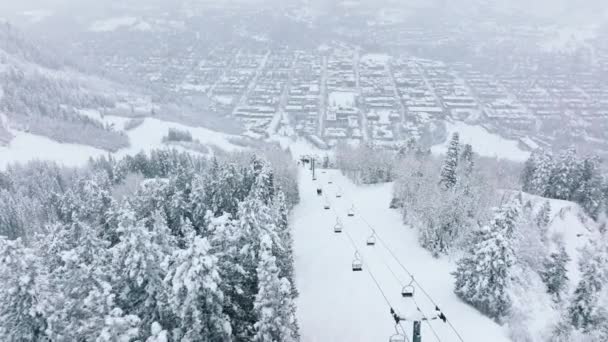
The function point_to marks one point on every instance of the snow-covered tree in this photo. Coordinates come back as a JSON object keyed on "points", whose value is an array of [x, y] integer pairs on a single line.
{"points": [[584, 311], [195, 295], [483, 273], [565, 177], [119, 327], [22, 287], [157, 334], [137, 261], [467, 162], [555, 274], [449, 175], [273, 306]]}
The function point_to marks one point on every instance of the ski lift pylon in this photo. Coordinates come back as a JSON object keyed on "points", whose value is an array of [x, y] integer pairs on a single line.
{"points": [[357, 263]]}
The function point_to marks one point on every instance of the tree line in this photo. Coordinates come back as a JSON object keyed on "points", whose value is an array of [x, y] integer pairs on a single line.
{"points": [[160, 247]]}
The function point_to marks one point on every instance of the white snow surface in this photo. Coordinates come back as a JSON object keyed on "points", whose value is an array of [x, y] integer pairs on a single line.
{"points": [[26, 147], [112, 24], [484, 143], [337, 304], [147, 136]]}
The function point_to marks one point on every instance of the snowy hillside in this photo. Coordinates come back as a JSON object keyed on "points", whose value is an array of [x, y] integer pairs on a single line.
{"points": [[337, 304]]}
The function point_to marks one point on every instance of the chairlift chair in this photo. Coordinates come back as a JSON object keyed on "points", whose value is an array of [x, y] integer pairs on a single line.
{"points": [[398, 336], [371, 240], [351, 211], [407, 291], [357, 263], [338, 226], [326, 206]]}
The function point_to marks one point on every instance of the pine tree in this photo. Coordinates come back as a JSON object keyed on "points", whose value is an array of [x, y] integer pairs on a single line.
{"points": [[467, 162], [284, 250], [137, 262], [22, 314], [482, 275], [81, 284], [450, 164], [584, 310], [119, 328], [555, 274], [544, 166], [589, 192], [273, 305], [195, 295], [157, 334], [543, 217], [565, 177]]}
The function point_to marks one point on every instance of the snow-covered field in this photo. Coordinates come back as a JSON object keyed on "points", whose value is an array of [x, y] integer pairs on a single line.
{"points": [[147, 136], [112, 24], [484, 143], [337, 304]]}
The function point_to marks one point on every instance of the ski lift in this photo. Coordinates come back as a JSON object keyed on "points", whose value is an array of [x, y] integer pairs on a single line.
{"points": [[319, 191], [330, 181], [398, 336], [351, 211], [371, 240], [326, 206], [339, 193], [357, 263], [338, 226], [408, 290]]}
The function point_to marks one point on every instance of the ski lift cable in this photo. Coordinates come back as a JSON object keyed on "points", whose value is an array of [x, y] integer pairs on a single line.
{"points": [[394, 256], [366, 267]]}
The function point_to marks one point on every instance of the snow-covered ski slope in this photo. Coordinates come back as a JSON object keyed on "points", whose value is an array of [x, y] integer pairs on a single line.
{"points": [[337, 304]]}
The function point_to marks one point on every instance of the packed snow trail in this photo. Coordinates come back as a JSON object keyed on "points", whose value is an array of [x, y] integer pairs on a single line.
{"points": [[337, 304]]}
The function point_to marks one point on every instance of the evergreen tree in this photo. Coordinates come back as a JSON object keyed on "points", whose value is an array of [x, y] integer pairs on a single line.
{"points": [[450, 164], [22, 314], [482, 275], [555, 274], [284, 250], [138, 273], [273, 305], [81, 284], [543, 217], [157, 334], [119, 328], [589, 192], [195, 296], [540, 181], [565, 176], [466, 160], [584, 310]]}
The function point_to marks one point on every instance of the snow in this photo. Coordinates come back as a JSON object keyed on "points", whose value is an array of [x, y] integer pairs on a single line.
{"points": [[375, 58], [484, 143], [342, 99], [112, 24], [25, 147], [147, 136], [337, 304], [36, 16]]}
